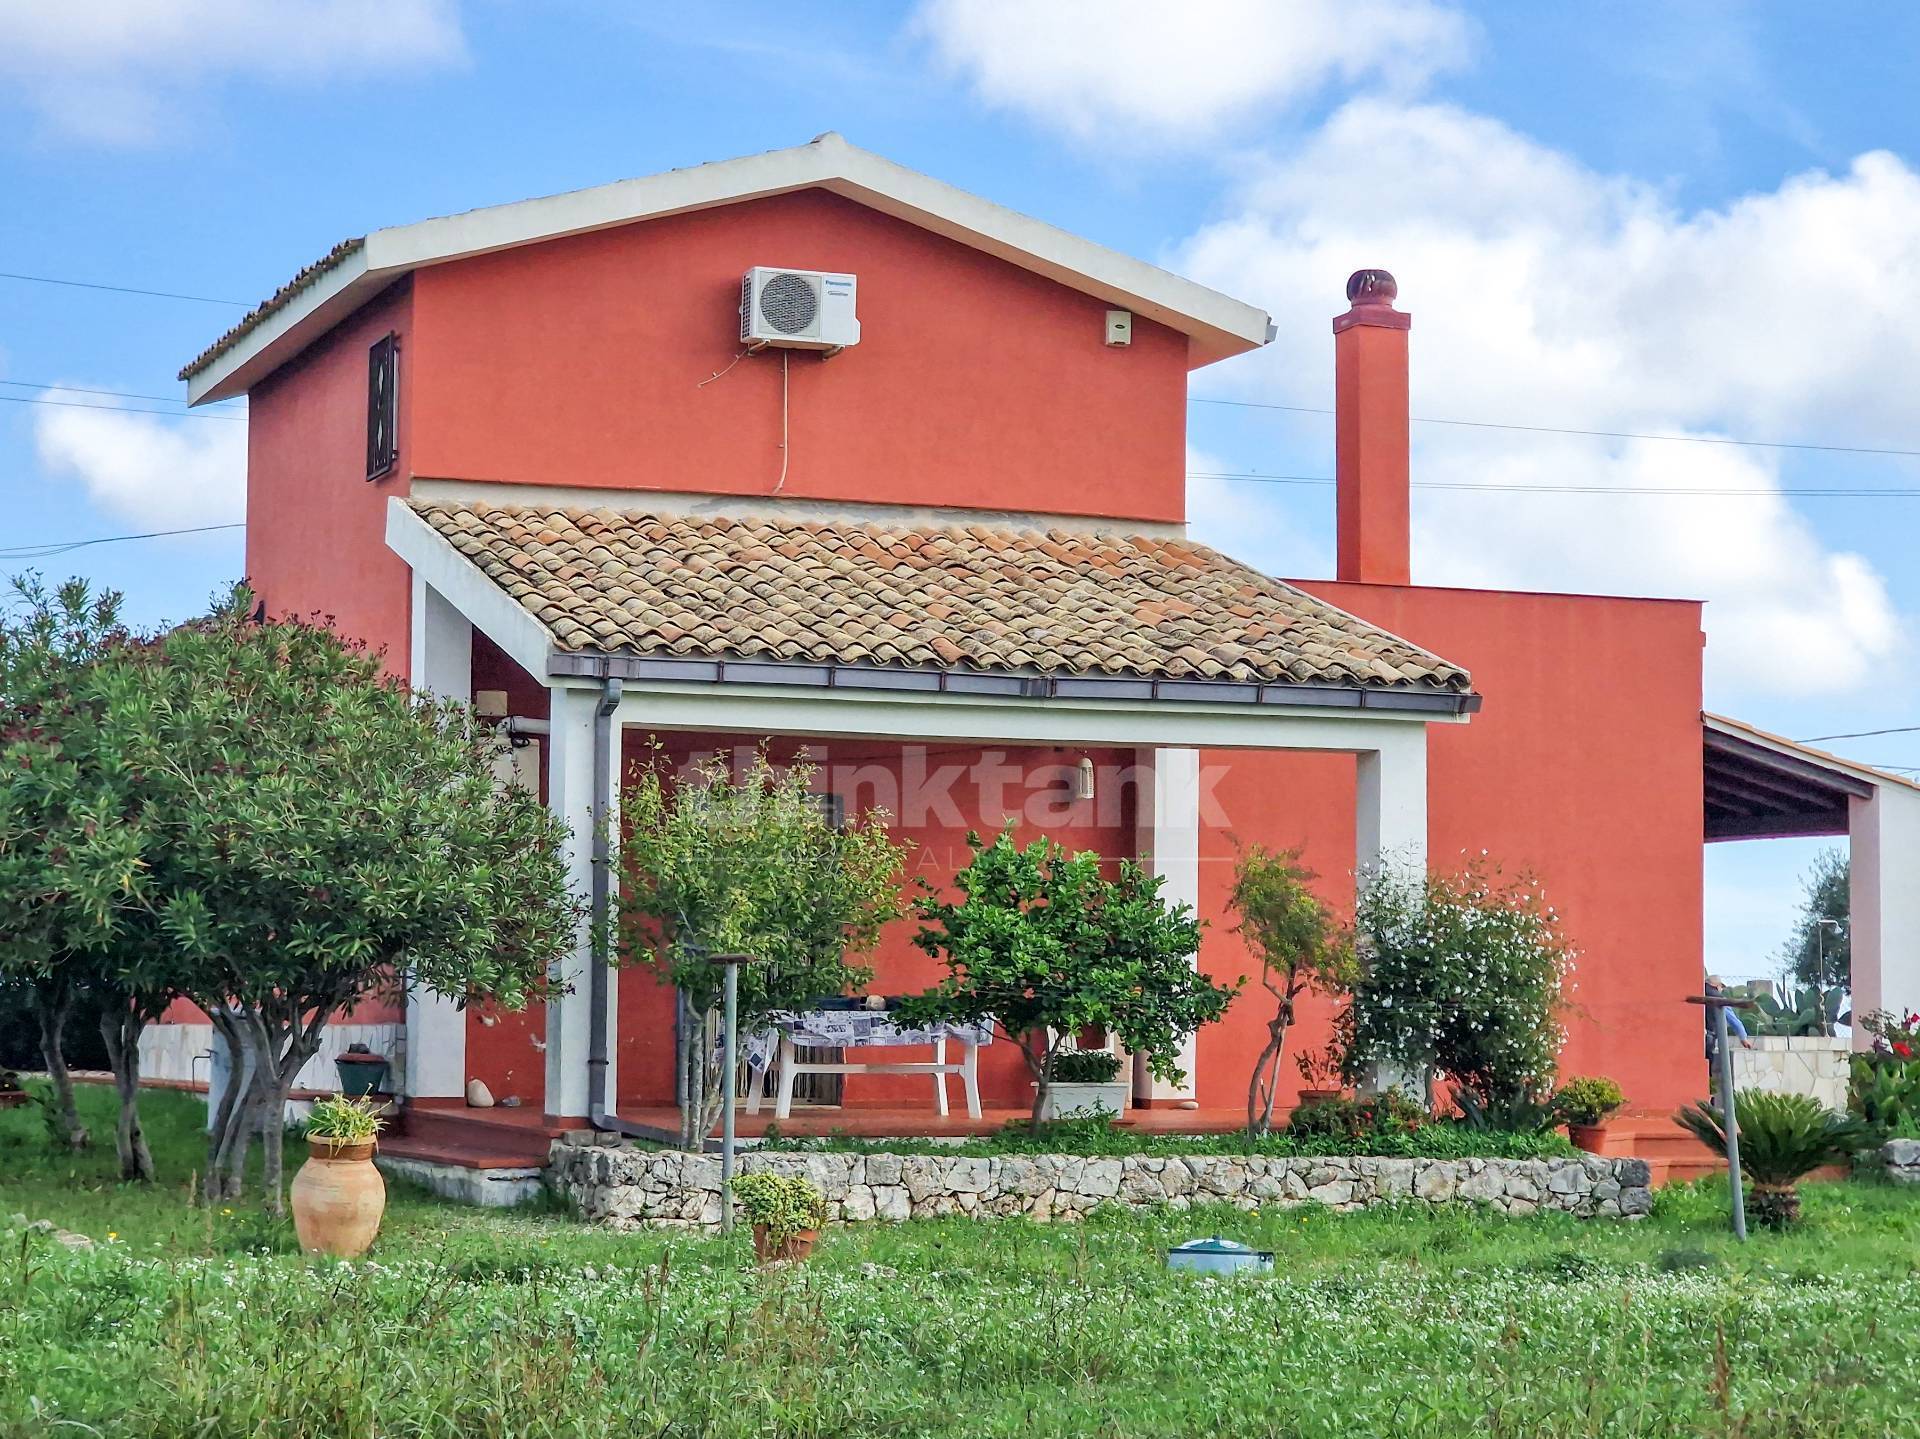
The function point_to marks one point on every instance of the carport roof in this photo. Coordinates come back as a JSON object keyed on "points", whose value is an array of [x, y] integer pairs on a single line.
{"points": [[1760, 786]]}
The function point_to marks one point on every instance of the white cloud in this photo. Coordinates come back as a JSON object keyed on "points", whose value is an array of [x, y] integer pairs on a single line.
{"points": [[152, 472], [1544, 293], [118, 70], [1180, 72]]}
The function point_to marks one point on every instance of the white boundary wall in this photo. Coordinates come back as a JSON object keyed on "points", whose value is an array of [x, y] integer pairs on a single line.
{"points": [[183, 1052], [1815, 1065]]}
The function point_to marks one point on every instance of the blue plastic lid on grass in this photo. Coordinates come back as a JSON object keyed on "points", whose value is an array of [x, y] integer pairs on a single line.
{"points": [[1215, 1255]]}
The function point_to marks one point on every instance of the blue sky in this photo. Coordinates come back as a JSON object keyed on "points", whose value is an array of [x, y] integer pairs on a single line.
{"points": [[1653, 218]]}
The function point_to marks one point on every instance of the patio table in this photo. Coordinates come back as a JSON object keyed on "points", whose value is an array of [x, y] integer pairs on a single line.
{"points": [[861, 1029]]}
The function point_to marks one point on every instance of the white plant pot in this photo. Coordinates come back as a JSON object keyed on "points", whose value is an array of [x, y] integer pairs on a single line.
{"points": [[1067, 1099]]}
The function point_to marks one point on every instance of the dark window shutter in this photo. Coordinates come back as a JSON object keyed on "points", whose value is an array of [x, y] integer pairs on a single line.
{"points": [[383, 405]]}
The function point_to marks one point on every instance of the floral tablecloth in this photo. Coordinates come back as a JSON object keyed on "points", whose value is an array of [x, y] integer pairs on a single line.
{"points": [[849, 1029]]}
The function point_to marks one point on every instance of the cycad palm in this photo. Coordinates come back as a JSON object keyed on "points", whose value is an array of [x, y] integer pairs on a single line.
{"points": [[1782, 1138]]}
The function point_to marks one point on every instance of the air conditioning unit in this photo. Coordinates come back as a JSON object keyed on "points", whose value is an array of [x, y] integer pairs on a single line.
{"points": [[797, 309]]}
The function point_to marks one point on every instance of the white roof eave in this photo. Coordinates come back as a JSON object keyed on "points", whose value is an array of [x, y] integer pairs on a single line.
{"points": [[1216, 325]]}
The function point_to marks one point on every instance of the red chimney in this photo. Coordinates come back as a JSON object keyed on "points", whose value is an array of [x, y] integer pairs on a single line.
{"points": [[1370, 432]]}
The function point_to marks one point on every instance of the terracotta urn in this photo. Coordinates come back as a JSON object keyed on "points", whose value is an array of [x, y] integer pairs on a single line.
{"points": [[338, 1198], [796, 1247]]}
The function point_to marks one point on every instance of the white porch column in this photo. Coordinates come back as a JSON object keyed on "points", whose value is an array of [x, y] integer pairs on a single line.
{"points": [[1390, 800], [1169, 829], [1883, 844], [441, 663], [1390, 829], [570, 797]]}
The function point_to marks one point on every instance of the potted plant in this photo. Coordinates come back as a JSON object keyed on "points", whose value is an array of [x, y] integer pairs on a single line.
{"points": [[362, 1072], [786, 1213], [1585, 1105], [338, 1195], [1783, 1138], [1323, 1070], [1084, 1081]]}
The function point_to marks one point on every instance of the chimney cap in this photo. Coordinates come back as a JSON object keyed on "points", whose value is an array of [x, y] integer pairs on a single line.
{"points": [[1372, 287]]}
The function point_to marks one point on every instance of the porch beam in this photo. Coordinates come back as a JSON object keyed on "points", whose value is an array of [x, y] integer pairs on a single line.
{"points": [[846, 714], [440, 663], [1805, 824], [899, 679], [491, 610]]}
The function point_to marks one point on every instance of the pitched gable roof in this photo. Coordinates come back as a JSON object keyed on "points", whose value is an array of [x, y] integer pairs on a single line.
{"points": [[324, 293], [977, 598]]}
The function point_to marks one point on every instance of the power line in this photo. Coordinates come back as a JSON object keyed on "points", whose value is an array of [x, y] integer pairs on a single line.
{"points": [[84, 390], [1193, 399], [40, 552], [120, 409], [1839, 493], [120, 289], [1863, 734], [1590, 434]]}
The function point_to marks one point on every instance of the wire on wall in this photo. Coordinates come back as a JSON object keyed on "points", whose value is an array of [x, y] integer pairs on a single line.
{"points": [[785, 454]]}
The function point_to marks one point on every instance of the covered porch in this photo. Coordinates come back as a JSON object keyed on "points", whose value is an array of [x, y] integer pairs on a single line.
{"points": [[1762, 786], [1077, 683]]}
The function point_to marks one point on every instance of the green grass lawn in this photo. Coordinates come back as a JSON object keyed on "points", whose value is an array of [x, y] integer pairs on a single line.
{"points": [[1390, 1323]]}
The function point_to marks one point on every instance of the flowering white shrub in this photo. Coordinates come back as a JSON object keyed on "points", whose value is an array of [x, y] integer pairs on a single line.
{"points": [[1464, 976]]}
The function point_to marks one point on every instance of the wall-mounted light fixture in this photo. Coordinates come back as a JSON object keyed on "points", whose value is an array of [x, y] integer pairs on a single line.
{"points": [[1083, 783]]}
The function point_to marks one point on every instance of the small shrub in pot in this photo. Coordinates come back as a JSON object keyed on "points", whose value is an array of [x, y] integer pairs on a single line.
{"points": [[785, 1210], [1585, 1105], [1323, 1071], [1084, 1066], [1083, 1082]]}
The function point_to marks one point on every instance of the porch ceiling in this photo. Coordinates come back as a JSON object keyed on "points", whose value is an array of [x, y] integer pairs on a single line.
{"points": [[981, 608], [1760, 786]]}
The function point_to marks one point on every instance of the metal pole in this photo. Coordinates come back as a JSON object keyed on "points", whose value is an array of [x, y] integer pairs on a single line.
{"points": [[1820, 972], [728, 1081], [1729, 1120]]}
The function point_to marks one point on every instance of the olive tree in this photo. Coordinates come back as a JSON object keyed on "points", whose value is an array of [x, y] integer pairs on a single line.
{"points": [[314, 835], [1300, 945], [1818, 955], [1044, 945], [713, 864]]}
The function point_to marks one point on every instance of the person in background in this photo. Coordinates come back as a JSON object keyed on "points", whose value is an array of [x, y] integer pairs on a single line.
{"points": [[1735, 1030]]}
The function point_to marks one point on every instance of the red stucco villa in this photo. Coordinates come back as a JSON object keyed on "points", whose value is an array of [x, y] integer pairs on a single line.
{"points": [[940, 542]]}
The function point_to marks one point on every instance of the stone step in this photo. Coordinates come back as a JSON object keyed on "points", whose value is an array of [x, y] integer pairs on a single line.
{"points": [[478, 1138]]}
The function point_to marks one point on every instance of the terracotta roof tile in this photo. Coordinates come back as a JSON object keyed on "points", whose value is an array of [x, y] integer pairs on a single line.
{"points": [[251, 320], [855, 591]]}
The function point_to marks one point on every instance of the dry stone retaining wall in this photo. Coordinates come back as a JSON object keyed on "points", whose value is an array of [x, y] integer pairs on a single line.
{"points": [[632, 1188]]}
